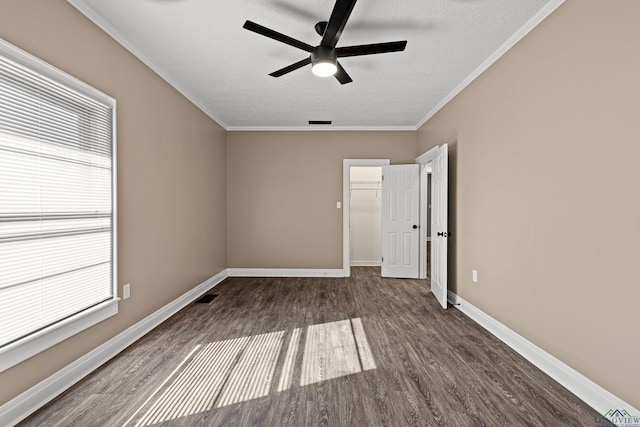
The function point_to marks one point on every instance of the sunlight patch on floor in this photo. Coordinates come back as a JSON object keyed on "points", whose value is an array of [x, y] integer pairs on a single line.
{"points": [[252, 375], [226, 372], [331, 351], [286, 376]]}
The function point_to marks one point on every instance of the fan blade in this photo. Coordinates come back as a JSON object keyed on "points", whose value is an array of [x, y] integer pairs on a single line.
{"points": [[291, 67], [339, 16], [267, 32], [370, 49], [342, 75]]}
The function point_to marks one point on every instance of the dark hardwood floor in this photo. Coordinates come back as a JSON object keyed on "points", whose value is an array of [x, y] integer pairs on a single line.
{"points": [[368, 351]]}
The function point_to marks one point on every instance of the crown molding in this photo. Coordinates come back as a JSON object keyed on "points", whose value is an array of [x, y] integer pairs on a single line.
{"points": [[504, 48], [102, 23], [327, 128]]}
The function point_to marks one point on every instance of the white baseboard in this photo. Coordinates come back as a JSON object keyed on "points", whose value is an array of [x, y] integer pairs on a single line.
{"points": [[284, 272], [589, 392], [365, 263], [37, 396]]}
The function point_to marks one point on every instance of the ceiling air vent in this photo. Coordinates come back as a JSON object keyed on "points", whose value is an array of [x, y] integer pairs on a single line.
{"points": [[319, 122]]}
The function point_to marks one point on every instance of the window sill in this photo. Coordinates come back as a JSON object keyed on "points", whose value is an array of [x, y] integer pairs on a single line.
{"points": [[27, 347]]}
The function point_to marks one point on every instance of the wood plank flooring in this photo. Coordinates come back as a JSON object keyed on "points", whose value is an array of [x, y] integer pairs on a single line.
{"points": [[362, 351]]}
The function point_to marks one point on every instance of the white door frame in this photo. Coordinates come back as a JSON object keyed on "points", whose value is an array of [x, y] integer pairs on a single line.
{"points": [[423, 160], [346, 193]]}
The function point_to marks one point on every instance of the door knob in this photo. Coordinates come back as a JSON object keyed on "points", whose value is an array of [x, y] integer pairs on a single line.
{"points": [[415, 227]]}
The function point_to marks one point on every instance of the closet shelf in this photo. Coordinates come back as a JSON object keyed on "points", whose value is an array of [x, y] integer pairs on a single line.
{"points": [[366, 185]]}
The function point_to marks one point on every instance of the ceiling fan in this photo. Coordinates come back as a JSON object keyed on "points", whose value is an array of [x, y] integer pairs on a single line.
{"points": [[324, 57]]}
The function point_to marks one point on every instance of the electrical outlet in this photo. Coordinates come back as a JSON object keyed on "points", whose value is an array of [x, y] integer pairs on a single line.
{"points": [[338, 205], [126, 291], [474, 276]]}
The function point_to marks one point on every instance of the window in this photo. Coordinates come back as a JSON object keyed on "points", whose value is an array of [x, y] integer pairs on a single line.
{"points": [[57, 204]]}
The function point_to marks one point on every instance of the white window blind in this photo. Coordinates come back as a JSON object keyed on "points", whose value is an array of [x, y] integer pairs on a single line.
{"points": [[56, 202]]}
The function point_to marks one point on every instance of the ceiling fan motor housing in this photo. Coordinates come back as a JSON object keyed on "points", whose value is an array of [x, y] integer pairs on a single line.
{"points": [[323, 54]]}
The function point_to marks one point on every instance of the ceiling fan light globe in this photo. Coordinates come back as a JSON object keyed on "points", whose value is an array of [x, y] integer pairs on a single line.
{"points": [[324, 68]]}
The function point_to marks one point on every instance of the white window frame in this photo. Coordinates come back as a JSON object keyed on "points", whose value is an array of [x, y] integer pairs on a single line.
{"points": [[20, 350]]}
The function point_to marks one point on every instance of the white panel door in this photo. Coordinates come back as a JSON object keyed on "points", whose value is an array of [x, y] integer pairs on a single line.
{"points": [[400, 219], [439, 233]]}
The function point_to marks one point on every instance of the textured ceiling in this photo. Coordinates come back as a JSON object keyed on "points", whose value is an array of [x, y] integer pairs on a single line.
{"points": [[200, 47]]}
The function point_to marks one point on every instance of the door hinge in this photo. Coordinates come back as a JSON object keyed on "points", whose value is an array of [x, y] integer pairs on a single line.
{"points": [[382, 259]]}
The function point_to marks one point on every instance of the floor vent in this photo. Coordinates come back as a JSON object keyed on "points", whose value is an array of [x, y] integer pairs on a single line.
{"points": [[206, 299]]}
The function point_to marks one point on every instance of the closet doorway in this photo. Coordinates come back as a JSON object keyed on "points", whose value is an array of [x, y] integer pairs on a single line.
{"points": [[347, 165], [365, 202]]}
